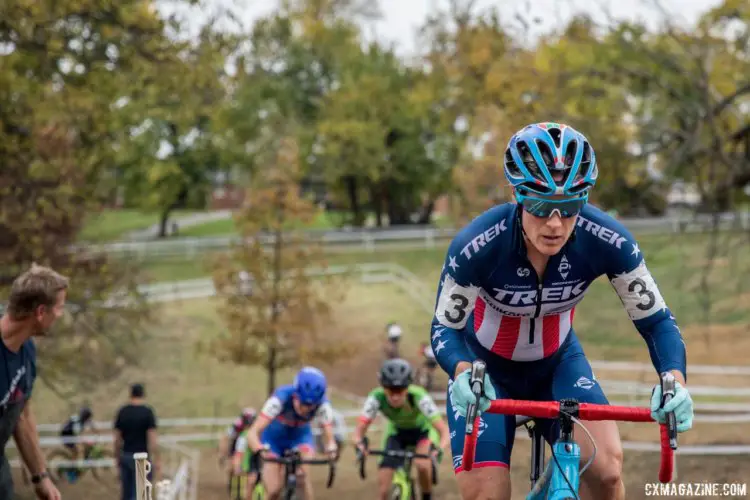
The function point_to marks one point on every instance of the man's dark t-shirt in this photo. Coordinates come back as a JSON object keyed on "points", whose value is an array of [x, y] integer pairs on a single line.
{"points": [[133, 422], [17, 376]]}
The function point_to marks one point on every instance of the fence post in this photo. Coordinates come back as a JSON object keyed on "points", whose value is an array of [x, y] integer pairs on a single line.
{"points": [[142, 470], [429, 238], [369, 242]]}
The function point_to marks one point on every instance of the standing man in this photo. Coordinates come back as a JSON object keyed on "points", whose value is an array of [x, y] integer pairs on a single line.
{"points": [[135, 432], [36, 301]]}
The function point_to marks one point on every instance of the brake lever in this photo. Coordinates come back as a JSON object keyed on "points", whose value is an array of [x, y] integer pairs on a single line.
{"points": [[667, 393], [476, 382]]}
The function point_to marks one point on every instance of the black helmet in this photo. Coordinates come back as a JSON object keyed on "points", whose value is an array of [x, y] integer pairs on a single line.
{"points": [[395, 373], [85, 413]]}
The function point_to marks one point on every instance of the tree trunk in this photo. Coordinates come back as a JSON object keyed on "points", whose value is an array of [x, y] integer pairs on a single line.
{"points": [[351, 190], [271, 370], [275, 306], [163, 222], [426, 215], [377, 203], [398, 213]]}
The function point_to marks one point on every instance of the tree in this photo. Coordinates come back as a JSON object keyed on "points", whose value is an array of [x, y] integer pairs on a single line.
{"points": [[175, 144], [274, 309], [66, 69], [44, 201], [687, 88], [394, 157], [294, 58]]}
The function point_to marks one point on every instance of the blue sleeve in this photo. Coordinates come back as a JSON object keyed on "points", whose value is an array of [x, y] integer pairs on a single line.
{"points": [[641, 298], [456, 296]]}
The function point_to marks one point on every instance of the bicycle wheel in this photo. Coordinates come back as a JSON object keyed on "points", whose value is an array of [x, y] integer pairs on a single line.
{"points": [[290, 493], [397, 493], [59, 472], [259, 493], [107, 473]]}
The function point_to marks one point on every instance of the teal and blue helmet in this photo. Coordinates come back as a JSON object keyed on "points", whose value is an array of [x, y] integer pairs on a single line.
{"points": [[548, 159]]}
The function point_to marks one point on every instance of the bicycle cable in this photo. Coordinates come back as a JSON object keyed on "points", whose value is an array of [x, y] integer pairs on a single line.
{"points": [[593, 443]]}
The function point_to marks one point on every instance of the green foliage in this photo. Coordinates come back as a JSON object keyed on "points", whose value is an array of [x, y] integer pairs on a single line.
{"points": [[274, 310], [65, 65]]}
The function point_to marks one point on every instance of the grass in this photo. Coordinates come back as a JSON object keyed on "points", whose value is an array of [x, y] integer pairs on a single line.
{"points": [[225, 227], [109, 225], [324, 220]]}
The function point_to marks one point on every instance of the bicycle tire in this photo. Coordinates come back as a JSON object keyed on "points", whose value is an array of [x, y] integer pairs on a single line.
{"points": [[290, 493], [396, 493], [235, 487], [103, 474], [57, 473], [259, 492]]}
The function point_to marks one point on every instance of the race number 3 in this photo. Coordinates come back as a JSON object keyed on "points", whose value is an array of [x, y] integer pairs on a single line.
{"points": [[638, 292], [639, 286], [455, 303]]}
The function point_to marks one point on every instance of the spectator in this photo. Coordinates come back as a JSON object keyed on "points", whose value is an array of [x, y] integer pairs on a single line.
{"points": [[135, 432], [36, 301]]}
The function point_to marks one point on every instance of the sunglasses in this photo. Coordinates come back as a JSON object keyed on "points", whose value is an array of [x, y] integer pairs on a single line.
{"points": [[545, 207]]}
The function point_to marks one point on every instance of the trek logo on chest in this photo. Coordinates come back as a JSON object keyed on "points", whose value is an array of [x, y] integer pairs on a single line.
{"points": [[549, 294], [482, 239], [601, 232]]}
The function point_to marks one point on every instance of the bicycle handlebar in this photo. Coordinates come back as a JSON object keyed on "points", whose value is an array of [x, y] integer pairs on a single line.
{"points": [[295, 459], [585, 411], [361, 457]]}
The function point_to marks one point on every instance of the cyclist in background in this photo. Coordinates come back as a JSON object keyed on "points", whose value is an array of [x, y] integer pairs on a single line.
{"points": [[507, 295], [429, 364], [228, 441], [74, 427], [284, 424], [245, 462], [339, 432], [411, 415], [391, 348]]}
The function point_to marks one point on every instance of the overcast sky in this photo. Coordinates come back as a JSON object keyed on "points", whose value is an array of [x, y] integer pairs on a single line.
{"points": [[401, 18]]}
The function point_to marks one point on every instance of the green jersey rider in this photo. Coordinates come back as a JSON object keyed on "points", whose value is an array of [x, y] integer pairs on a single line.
{"points": [[411, 414]]}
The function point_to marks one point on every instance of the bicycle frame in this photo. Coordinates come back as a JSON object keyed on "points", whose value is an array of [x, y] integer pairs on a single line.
{"points": [[403, 480], [402, 475], [561, 473], [560, 480]]}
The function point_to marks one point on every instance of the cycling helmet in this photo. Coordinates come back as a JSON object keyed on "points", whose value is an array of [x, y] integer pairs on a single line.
{"points": [[395, 373], [394, 331], [310, 385], [248, 414], [539, 151]]}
